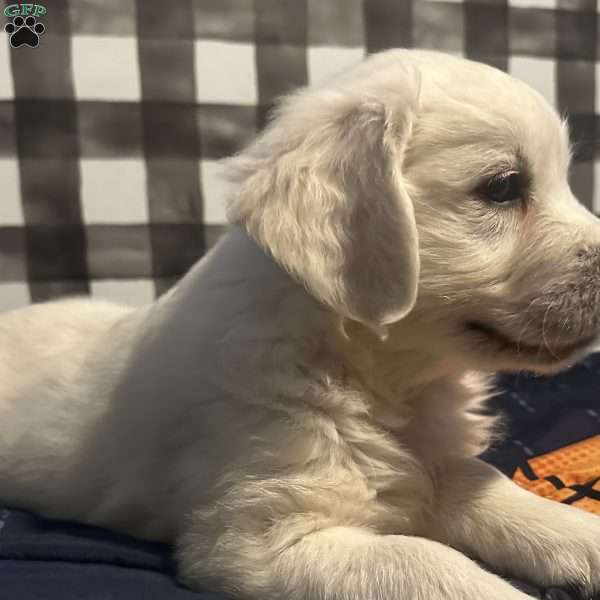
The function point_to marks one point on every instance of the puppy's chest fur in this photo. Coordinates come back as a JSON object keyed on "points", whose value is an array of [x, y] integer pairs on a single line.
{"points": [[352, 456]]}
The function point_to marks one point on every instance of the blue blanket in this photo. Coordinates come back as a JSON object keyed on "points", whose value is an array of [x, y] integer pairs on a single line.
{"points": [[42, 559]]}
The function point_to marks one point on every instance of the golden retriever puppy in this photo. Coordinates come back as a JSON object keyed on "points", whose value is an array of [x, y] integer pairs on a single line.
{"points": [[301, 414]]}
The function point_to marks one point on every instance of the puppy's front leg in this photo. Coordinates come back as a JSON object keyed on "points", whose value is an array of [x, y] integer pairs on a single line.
{"points": [[343, 563], [483, 513]]}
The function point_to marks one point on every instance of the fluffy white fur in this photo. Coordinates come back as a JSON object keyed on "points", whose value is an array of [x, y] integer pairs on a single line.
{"points": [[300, 414]]}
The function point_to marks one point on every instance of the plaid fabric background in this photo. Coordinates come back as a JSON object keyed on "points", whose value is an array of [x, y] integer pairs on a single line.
{"points": [[112, 128]]}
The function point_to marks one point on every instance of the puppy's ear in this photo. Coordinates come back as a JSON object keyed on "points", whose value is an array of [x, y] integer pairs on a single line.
{"points": [[322, 190]]}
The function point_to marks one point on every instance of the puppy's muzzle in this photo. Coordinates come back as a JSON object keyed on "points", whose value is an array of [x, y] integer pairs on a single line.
{"points": [[556, 322]]}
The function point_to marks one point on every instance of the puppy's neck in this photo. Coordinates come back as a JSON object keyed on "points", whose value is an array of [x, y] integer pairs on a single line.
{"points": [[394, 371], [267, 326]]}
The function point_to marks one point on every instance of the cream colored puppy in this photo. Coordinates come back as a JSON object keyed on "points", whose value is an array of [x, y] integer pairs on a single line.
{"points": [[300, 415]]}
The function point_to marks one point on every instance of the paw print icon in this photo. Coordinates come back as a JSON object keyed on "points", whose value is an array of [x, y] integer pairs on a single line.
{"points": [[24, 32]]}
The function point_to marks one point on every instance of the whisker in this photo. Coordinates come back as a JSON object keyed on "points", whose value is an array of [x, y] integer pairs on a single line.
{"points": [[544, 340]]}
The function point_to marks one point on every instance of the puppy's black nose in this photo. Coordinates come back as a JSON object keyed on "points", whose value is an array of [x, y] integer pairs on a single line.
{"points": [[588, 259], [589, 254]]}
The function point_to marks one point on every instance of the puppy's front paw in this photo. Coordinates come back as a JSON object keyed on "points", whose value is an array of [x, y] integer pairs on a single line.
{"points": [[560, 547], [578, 552], [515, 532]]}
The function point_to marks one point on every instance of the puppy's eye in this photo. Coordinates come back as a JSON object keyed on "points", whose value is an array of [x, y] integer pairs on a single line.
{"points": [[506, 187]]}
